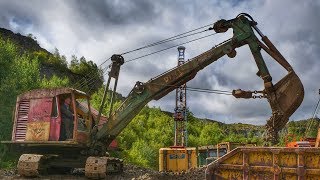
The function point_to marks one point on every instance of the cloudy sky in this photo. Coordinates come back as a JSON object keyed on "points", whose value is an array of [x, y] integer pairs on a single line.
{"points": [[96, 29]]}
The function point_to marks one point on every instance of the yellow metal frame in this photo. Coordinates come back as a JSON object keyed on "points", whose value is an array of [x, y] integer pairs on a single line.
{"points": [[267, 163]]}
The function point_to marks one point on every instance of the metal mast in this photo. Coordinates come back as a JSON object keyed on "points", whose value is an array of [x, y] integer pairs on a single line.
{"points": [[180, 115]]}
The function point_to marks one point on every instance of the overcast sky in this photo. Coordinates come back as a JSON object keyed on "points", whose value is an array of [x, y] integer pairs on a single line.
{"points": [[96, 29]]}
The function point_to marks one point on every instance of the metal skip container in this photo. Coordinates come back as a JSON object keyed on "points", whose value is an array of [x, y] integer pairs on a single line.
{"points": [[267, 163], [177, 160]]}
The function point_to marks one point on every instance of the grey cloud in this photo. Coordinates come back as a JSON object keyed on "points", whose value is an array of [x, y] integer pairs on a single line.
{"points": [[4, 22], [97, 29], [113, 12]]}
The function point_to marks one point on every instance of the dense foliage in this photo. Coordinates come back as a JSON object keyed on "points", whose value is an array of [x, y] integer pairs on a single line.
{"points": [[93, 75], [82, 74], [152, 129], [53, 59], [20, 72]]}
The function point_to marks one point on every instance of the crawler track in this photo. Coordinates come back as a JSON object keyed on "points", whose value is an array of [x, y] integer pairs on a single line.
{"points": [[99, 167]]}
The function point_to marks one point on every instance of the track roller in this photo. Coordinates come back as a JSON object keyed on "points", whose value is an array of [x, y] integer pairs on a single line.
{"points": [[29, 165], [99, 167]]}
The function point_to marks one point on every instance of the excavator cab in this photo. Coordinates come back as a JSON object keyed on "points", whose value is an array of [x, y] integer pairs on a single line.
{"points": [[38, 131], [38, 118], [81, 121]]}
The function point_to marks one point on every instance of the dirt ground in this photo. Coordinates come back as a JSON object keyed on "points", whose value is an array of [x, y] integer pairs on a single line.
{"points": [[130, 172]]}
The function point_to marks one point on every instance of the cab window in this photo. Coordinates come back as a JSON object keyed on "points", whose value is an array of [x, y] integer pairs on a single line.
{"points": [[82, 114], [54, 112]]}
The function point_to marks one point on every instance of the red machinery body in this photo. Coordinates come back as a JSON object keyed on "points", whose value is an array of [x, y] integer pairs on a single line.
{"points": [[37, 118]]}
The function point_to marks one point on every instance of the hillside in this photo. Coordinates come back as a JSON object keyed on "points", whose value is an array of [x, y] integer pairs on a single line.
{"points": [[24, 65], [51, 63], [25, 43]]}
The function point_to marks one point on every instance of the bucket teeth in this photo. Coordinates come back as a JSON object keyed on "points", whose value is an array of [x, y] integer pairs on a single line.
{"points": [[288, 95]]}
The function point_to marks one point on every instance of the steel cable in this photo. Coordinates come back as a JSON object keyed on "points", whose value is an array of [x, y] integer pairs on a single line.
{"points": [[84, 83], [155, 52], [313, 116], [173, 38], [83, 79], [197, 89], [176, 46], [164, 41]]}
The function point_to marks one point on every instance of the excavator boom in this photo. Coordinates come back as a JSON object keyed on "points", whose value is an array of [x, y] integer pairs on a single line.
{"points": [[156, 88], [283, 98]]}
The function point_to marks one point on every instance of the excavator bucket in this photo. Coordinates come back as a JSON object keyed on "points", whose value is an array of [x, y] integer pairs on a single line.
{"points": [[289, 94]]}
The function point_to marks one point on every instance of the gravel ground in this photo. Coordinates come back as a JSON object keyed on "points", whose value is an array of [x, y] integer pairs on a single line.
{"points": [[130, 172]]}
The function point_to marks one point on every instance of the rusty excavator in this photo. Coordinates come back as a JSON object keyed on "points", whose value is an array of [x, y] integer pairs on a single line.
{"points": [[37, 119]]}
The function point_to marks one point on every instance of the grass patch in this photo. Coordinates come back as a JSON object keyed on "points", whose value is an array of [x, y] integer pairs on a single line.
{"points": [[8, 160]]}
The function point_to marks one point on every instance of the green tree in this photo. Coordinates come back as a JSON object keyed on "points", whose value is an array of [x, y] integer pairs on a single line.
{"points": [[18, 73], [142, 154], [55, 59], [92, 74], [8, 52], [54, 81], [211, 134]]}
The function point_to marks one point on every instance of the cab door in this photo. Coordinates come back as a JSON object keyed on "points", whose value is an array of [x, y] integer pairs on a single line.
{"points": [[38, 128]]}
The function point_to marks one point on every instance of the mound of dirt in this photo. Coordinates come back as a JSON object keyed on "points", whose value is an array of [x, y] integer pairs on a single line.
{"points": [[131, 172], [138, 173]]}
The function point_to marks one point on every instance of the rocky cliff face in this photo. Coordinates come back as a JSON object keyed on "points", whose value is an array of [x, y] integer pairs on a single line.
{"points": [[48, 70], [23, 42]]}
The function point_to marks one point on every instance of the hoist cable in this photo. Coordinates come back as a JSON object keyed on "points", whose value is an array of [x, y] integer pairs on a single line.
{"points": [[196, 89], [179, 45], [90, 84], [83, 79], [153, 44], [313, 116], [94, 79], [223, 91], [176, 37], [211, 92], [165, 41], [155, 52]]}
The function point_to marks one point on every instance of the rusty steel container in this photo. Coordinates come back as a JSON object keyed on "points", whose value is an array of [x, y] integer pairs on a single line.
{"points": [[267, 163], [177, 160], [208, 154]]}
